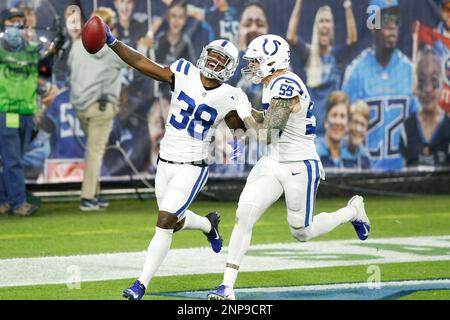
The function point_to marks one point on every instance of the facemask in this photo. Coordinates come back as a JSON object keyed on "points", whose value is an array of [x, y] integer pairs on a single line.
{"points": [[14, 36]]}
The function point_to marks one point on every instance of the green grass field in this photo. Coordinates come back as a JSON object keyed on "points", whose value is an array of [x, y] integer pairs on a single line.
{"points": [[60, 229]]}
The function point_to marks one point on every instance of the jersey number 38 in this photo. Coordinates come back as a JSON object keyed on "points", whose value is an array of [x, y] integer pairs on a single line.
{"points": [[202, 117]]}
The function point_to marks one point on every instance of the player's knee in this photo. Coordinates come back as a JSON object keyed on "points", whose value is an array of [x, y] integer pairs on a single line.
{"points": [[166, 220], [296, 218], [246, 216], [301, 234]]}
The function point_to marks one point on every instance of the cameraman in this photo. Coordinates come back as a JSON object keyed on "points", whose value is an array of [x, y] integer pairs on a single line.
{"points": [[95, 88], [21, 66]]}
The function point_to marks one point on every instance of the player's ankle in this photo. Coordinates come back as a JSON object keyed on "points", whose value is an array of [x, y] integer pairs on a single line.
{"points": [[355, 212], [228, 285]]}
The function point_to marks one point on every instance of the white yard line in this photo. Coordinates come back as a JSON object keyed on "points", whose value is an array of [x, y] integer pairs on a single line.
{"points": [[339, 286], [110, 266]]}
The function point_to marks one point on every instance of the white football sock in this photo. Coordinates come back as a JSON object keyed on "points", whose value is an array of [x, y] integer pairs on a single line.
{"points": [[247, 215], [229, 277], [239, 244], [156, 253], [325, 222], [195, 222]]}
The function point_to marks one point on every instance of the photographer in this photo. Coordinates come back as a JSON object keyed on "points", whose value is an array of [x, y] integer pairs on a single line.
{"points": [[21, 66]]}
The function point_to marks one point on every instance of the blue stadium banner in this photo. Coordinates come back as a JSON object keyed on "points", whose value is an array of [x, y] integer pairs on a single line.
{"points": [[377, 71]]}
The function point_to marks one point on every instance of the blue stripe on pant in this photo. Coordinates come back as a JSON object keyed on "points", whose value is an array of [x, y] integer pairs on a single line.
{"points": [[316, 185], [195, 190], [311, 203], [308, 192]]}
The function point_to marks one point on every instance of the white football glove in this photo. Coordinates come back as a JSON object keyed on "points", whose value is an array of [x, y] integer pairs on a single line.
{"points": [[243, 106]]}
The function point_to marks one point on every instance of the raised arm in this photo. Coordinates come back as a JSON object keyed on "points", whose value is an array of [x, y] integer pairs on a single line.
{"points": [[352, 33], [137, 60], [291, 34], [196, 12]]}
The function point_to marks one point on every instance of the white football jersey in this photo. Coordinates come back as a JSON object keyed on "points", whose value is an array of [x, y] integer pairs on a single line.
{"points": [[194, 114], [296, 141]]}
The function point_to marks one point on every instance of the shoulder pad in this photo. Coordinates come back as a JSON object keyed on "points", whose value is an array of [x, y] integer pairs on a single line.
{"points": [[181, 67], [285, 87]]}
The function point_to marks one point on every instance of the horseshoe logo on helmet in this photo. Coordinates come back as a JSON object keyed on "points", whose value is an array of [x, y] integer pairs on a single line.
{"points": [[276, 44]]}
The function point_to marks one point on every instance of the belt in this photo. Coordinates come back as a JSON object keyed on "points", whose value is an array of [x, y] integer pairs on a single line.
{"points": [[199, 163]]}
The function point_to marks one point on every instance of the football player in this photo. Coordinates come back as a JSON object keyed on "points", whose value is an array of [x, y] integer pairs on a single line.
{"points": [[291, 165], [200, 101]]}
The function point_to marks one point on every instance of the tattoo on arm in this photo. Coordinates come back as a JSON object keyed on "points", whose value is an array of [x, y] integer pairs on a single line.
{"points": [[278, 114], [275, 119], [258, 115]]}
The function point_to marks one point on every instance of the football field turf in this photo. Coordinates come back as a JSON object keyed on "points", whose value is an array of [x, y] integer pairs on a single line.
{"points": [[408, 251]]}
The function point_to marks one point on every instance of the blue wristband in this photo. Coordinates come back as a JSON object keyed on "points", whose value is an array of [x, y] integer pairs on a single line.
{"points": [[110, 39]]}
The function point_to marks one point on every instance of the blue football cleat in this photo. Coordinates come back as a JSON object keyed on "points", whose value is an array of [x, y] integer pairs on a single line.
{"points": [[214, 236], [135, 292], [361, 223], [221, 292]]}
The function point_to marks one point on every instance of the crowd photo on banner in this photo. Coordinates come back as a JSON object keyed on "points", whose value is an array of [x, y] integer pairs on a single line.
{"points": [[380, 84]]}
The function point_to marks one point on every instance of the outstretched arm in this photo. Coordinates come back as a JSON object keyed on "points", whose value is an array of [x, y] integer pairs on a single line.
{"points": [[291, 34], [352, 33], [137, 60]]}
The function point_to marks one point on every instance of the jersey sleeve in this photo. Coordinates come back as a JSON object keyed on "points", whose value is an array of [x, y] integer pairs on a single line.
{"points": [[285, 88], [180, 69], [229, 99]]}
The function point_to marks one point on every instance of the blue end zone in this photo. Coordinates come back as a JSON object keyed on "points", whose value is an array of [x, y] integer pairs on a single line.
{"points": [[346, 292]]}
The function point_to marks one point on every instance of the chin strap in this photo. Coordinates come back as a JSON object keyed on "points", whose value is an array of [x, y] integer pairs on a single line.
{"points": [[210, 75]]}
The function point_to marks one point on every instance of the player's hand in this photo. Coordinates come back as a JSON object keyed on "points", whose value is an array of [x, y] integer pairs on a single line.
{"points": [[243, 106], [110, 39], [321, 171], [258, 115]]}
